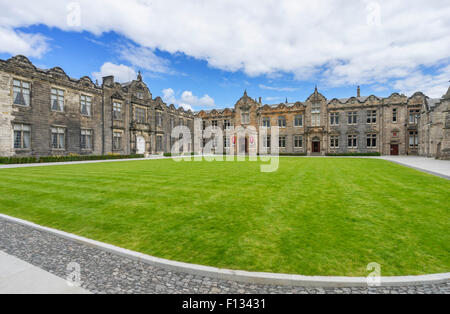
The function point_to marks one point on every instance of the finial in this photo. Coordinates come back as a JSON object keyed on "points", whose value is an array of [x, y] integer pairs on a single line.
{"points": [[286, 100], [139, 76], [245, 93], [315, 89]]}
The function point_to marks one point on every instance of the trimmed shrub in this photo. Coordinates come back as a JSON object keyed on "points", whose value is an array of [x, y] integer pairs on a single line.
{"points": [[354, 154], [17, 160], [86, 158]]}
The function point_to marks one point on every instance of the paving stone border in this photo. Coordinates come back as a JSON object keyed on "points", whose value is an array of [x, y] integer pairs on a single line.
{"points": [[240, 276]]}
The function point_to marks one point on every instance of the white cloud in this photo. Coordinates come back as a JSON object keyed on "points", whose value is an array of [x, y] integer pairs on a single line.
{"points": [[145, 58], [278, 89], [187, 99], [338, 42], [432, 85], [15, 42], [122, 73]]}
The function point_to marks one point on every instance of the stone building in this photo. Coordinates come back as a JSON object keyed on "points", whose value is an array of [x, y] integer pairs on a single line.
{"points": [[319, 126], [434, 126], [47, 113]]}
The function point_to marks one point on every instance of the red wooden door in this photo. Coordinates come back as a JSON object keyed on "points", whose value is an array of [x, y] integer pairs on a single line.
{"points": [[394, 149]]}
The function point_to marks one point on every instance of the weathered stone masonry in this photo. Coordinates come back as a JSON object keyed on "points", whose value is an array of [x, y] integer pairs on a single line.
{"points": [[137, 125], [126, 119]]}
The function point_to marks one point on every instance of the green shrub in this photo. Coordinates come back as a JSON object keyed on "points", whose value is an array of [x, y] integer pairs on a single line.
{"points": [[353, 154], [86, 158], [17, 160]]}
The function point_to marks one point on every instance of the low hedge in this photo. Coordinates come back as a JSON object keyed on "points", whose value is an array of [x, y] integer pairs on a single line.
{"points": [[86, 158], [28, 160], [354, 154], [17, 160]]}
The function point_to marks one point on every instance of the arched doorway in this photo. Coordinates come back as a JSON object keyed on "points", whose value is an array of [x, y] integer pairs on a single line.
{"points": [[315, 145], [140, 145]]}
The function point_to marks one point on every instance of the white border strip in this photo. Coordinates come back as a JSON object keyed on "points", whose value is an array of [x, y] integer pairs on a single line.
{"points": [[238, 275]]}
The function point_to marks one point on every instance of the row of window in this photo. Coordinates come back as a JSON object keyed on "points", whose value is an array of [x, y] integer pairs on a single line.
{"points": [[352, 118], [352, 141], [22, 95], [22, 137]]}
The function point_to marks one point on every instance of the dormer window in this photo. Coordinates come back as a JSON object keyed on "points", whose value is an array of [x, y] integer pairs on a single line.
{"points": [[139, 95]]}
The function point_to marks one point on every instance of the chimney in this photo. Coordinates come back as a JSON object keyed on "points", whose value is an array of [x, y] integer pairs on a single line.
{"points": [[260, 100], [108, 81], [358, 92]]}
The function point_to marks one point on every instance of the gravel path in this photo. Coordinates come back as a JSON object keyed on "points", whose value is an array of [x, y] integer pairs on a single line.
{"points": [[103, 272]]}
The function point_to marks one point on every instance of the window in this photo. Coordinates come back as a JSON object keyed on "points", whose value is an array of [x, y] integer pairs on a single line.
{"points": [[282, 141], [86, 139], [181, 121], [371, 116], [266, 142], [315, 114], [298, 121], [86, 105], [395, 134], [159, 145], [58, 138], [352, 117], [266, 122], [117, 111], [334, 142], [371, 140], [139, 95], [352, 141], [204, 125], [414, 116], [413, 139], [394, 115], [245, 117], [22, 136], [214, 124], [21, 93], [117, 140], [298, 141], [159, 119], [226, 142], [204, 142], [226, 124], [57, 99], [172, 122], [282, 122], [139, 115], [334, 118]]}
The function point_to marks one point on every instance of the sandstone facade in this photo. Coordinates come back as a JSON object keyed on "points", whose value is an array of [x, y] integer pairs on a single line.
{"points": [[46, 113]]}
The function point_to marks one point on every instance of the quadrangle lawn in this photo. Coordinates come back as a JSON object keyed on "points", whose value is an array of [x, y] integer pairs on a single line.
{"points": [[319, 216]]}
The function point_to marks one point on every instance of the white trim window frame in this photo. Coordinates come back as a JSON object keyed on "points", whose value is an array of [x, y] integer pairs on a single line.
{"points": [[86, 105], [22, 136], [57, 98], [58, 138], [21, 93]]}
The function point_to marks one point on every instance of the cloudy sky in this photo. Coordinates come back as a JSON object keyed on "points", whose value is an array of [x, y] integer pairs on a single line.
{"points": [[203, 53]]}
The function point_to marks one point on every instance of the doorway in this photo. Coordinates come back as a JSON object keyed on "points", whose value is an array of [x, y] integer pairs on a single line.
{"points": [[394, 149], [316, 147], [140, 145]]}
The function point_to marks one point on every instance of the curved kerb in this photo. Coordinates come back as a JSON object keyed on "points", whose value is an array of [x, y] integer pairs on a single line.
{"points": [[238, 275]]}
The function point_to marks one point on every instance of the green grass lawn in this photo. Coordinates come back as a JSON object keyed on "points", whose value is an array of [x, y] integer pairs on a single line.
{"points": [[311, 217]]}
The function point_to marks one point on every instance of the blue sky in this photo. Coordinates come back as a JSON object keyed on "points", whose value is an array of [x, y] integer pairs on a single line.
{"points": [[203, 56]]}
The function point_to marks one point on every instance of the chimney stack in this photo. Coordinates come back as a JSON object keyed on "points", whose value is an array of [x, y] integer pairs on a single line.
{"points": [[358, 92], [108, 81]]}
